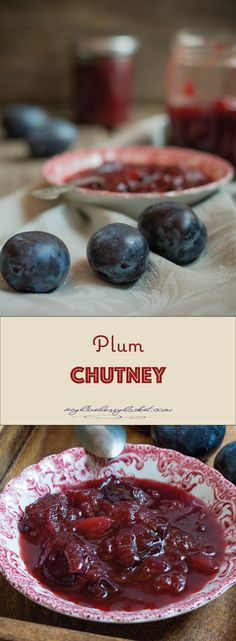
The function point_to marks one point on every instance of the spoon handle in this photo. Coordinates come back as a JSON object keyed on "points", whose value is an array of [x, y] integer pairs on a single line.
{"points": [[51, 193], [55, 191]]}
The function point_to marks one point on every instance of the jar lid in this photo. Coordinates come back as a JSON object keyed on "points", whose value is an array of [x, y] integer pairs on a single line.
{"points": [[217, 42], [100, 46]]}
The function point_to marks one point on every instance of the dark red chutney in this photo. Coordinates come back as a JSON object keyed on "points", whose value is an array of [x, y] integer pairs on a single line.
{"points": [[121, 544], [209, 128], [103, 88], [135, 178]]}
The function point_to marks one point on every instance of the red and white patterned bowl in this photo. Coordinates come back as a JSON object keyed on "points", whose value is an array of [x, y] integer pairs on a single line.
{"points": [[139, 461], [60, 168]]}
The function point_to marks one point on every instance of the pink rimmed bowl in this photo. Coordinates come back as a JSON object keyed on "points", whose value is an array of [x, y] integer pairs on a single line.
{"points": [[59, 169], [139, 461]]}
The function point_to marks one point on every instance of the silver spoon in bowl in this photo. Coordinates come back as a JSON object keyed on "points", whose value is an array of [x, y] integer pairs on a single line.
{"points": [[105, 441]]}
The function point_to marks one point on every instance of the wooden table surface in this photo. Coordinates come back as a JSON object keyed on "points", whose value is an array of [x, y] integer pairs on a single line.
{"points": [[22, 446]]}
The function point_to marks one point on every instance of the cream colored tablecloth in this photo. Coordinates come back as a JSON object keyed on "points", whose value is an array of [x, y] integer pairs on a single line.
{"points": [[205, 288]]}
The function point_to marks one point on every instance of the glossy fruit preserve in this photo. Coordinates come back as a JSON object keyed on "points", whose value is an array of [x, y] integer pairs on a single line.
{"points": [[121, 544], [137, 178], [102, 90], [209, 128]]}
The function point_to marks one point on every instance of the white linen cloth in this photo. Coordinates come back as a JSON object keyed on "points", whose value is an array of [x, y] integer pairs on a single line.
{"points": [[205, 288]]}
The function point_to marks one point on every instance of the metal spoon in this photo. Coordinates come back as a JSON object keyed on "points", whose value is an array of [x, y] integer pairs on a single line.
{"points": [[105, 441], [53, 192]]}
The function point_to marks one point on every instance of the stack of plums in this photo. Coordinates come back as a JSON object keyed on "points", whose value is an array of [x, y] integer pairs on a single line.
{"points": [[200, 441], [118, 253], [44, 135]]}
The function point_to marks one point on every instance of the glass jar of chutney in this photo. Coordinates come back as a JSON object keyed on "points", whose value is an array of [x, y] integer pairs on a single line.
{"points": [[201, 92], [103, 79]]}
